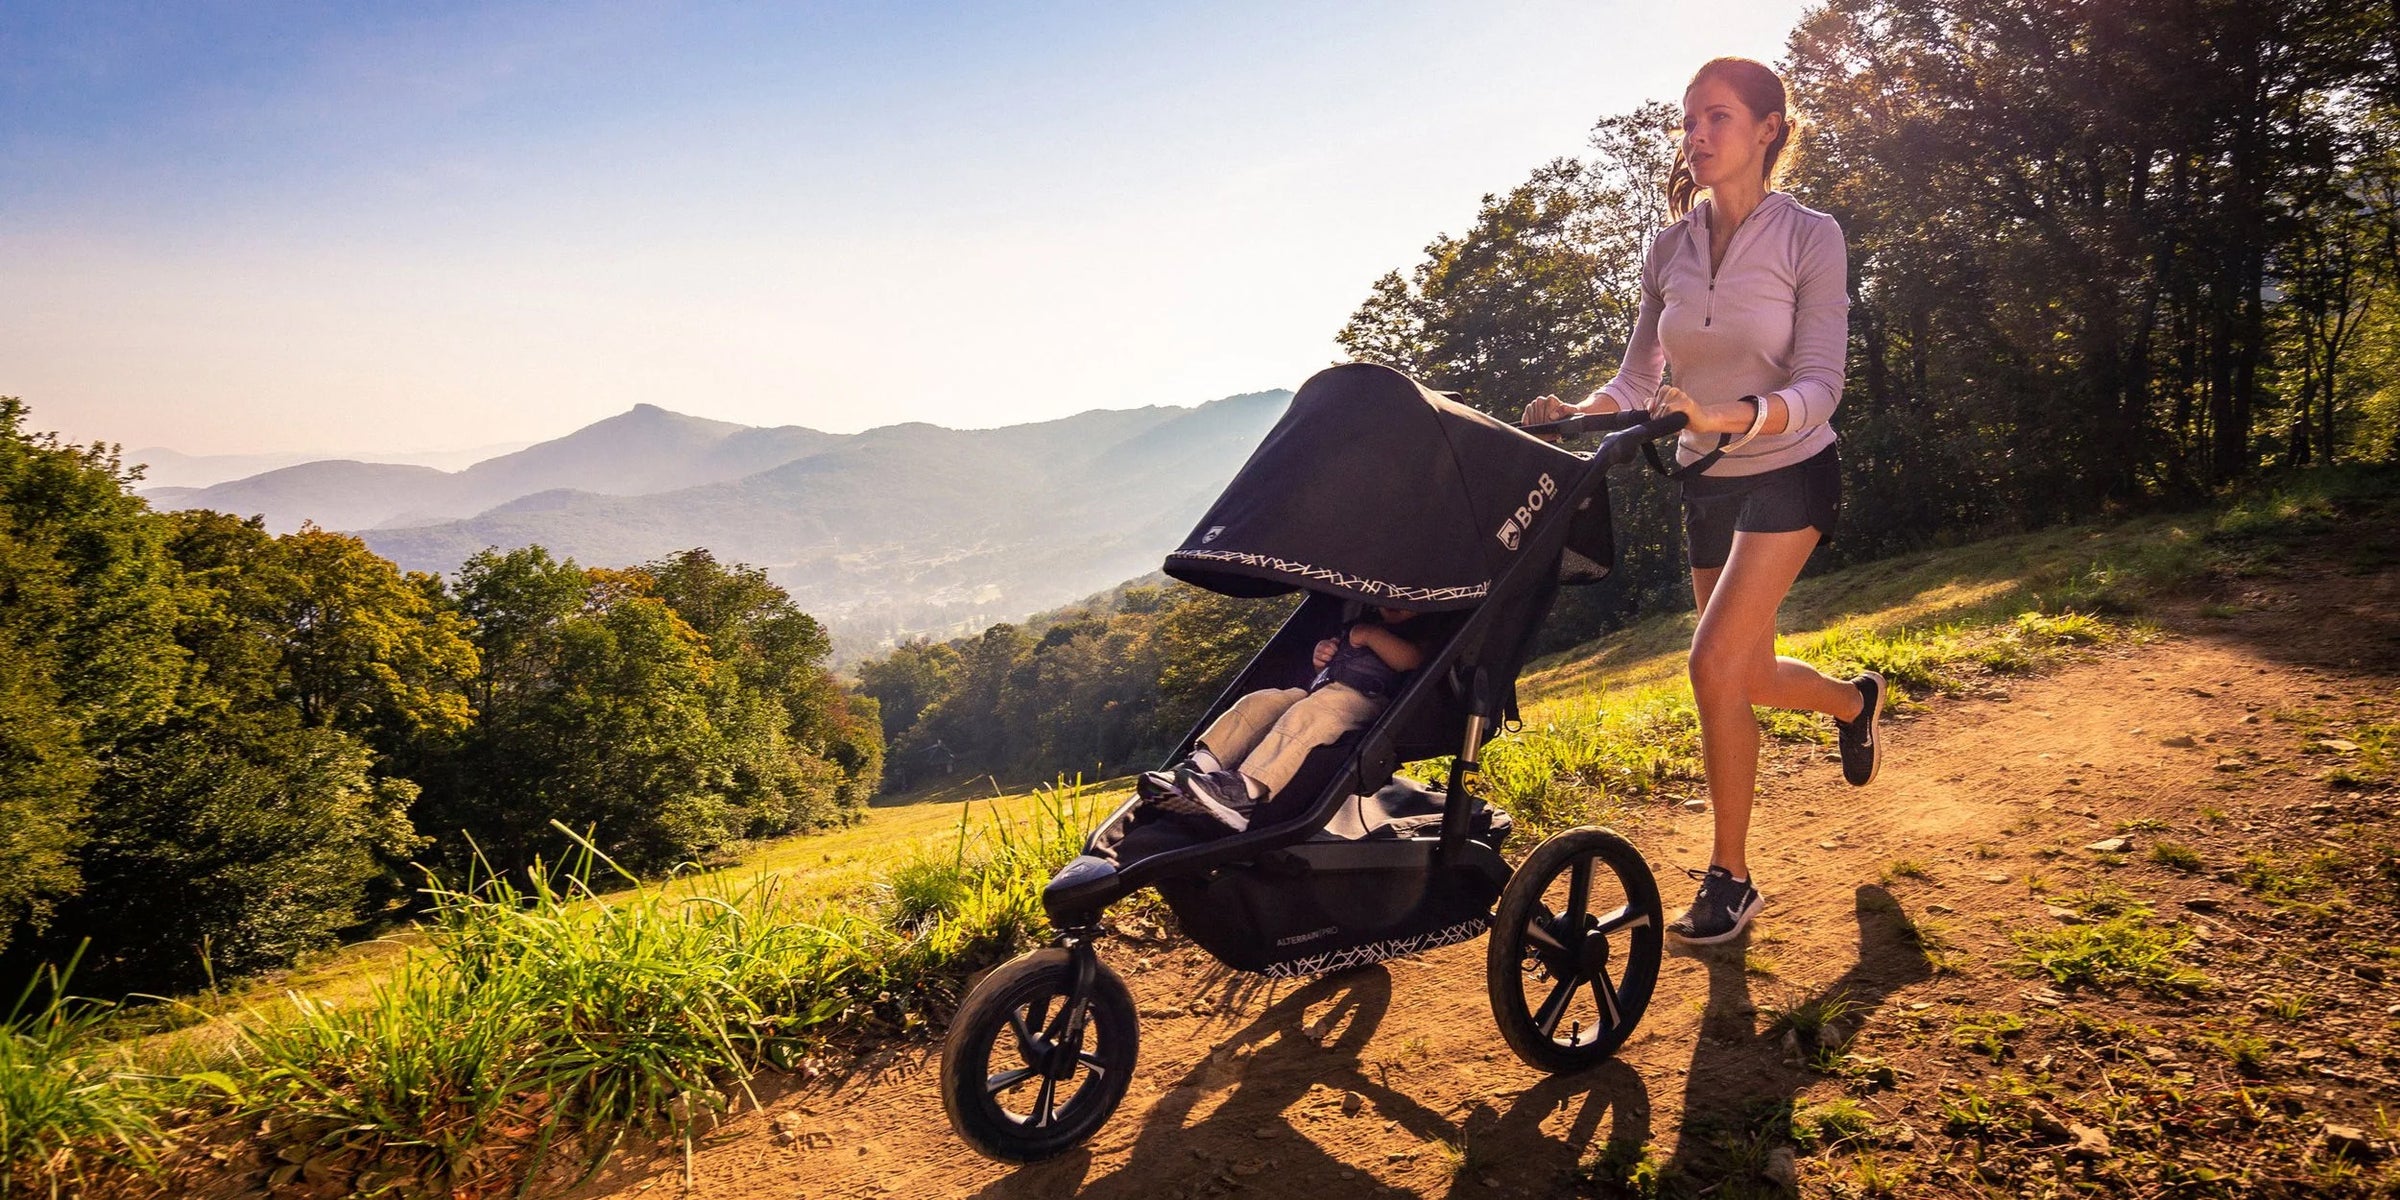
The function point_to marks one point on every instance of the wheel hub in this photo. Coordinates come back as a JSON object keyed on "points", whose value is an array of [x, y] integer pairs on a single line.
{"points": [[1592, 955]]}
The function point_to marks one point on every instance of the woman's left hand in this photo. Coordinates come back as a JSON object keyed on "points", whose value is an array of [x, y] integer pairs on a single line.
{"points": [[1728, 416]]}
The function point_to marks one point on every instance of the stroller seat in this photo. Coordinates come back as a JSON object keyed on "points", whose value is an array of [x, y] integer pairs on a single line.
{"points": [[1407, 808]]}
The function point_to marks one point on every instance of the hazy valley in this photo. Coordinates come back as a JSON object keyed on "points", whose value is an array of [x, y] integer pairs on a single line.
{"points": [[903, 529]]}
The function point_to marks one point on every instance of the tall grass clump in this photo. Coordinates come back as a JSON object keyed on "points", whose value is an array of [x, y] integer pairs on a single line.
{"points": [[994, 866], [547, 1016], [67, 1108], [1586, 757]]}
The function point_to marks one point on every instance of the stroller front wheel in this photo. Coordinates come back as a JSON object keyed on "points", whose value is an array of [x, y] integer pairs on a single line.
{"points": [[1574, 950], [1031, 1067]]}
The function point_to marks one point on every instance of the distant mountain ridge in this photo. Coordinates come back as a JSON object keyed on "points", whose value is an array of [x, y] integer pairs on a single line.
{"points": [[165, 468], [902, 529], [647, 449]]}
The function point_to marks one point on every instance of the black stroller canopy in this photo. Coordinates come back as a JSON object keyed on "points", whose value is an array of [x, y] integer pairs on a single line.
{"points": [[1373, 488]]}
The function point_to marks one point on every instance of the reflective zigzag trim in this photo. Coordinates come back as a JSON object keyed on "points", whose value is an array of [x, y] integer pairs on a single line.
{"points": [[1373, 952], [1371, 587]]}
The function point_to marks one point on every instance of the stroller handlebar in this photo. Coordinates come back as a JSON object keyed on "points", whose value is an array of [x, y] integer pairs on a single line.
{"points": [[1587, 423], [1627, 432], [1624, 444]]}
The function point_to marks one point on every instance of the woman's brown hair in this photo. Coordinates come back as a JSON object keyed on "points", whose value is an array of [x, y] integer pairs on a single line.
{"points": [[1761, 92]]}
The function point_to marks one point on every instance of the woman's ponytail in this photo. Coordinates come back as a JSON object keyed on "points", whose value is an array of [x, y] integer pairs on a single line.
{"points": [[1683, 191]]}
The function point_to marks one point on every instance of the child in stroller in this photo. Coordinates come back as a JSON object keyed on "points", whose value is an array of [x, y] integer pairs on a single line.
{"points": [[1252, 750]]}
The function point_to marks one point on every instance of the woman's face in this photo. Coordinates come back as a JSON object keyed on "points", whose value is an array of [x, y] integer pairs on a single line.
{"points": [[1722, 139]]}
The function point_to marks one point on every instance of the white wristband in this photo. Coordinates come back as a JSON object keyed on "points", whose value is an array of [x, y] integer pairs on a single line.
{"points": [[1758, 423]]}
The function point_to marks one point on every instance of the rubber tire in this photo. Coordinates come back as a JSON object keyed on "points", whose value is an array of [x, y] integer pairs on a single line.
{"points": [[1112, 1034], [1504, 979]]}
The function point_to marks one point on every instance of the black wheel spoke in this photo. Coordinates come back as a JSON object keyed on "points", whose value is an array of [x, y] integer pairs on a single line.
{"points": [[1555, 1006], [1540, 929], [1092, 1061], [1579, 898], [1612, 1014], [1006, 1079], [1623, 918], [1044, 1099]]}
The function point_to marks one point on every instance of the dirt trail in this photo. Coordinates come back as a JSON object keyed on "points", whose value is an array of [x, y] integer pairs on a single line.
{"points": [[1243, 1090]]}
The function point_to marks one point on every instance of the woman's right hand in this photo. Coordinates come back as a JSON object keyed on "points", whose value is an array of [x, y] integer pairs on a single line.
{"points": [[1545, 409]]}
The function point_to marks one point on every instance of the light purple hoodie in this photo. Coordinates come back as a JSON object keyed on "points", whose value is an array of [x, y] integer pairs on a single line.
{"points": [[1775, 318]]}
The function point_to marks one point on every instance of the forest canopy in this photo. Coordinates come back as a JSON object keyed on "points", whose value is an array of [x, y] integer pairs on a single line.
{"points": [[220, 748]]}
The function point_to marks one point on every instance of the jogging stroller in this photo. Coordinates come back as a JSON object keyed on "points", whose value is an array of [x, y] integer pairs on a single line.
{"points": [[1370, 490]]}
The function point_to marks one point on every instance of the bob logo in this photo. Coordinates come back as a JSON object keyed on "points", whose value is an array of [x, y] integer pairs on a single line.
{"points": [[1212, 534], [1513, 530], [1310, 936]]}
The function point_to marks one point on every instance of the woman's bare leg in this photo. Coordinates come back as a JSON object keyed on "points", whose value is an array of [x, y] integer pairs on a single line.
{"points": [[1734, 667]]}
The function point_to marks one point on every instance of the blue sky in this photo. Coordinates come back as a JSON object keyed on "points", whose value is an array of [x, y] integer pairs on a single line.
{"points": [[358, 227]]}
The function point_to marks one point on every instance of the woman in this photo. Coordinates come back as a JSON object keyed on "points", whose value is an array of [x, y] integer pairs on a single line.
{"points": [[1745, 301]]}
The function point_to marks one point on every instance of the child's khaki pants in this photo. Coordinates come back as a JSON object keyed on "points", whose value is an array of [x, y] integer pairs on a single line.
{"points": [[1266, 735]]}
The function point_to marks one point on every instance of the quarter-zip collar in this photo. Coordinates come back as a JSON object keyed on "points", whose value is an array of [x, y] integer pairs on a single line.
{"points": [[1696, 221], [1696, 225]]}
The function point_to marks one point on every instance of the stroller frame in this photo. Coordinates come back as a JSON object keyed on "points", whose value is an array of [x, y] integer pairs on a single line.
{"points": [[1458, 673]]}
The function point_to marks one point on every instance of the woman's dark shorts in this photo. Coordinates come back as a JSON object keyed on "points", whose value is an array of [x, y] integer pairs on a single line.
{"points": [[1803, 495]]}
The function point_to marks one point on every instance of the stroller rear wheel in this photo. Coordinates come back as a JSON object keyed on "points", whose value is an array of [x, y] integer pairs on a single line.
{"points": [[1033, 1064], [1574, 950]]}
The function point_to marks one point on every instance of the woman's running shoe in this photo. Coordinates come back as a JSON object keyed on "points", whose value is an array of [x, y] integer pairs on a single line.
{"points": [[1859, 735], [1720, 912]]}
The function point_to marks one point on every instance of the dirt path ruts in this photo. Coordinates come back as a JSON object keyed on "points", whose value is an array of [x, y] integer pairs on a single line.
{"points": [[1248, 1096]]}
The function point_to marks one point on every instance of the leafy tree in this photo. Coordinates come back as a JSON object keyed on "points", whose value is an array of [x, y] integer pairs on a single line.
{"points": [[908, 680], [602, 705], [1092, 690], [252, 823], [795, 713], [233, 844], [1539, 294], [87, 656]]}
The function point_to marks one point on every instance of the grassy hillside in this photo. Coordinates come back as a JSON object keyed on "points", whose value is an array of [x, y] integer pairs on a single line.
{"points": [[529, 1017]]}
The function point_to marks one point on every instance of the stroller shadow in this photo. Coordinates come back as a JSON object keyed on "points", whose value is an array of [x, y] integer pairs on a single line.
{"points": [[1739, 1090], [1517, 1153], [1316, 1037], [1270, 1065]]}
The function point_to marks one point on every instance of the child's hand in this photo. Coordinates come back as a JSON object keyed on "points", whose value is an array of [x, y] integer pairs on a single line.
{"points": [[1395, 651], [1325, 652]]}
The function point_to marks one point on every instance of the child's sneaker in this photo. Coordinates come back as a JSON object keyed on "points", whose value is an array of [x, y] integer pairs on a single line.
{"points": [[1720, 912], [1220, 796], [1858, 735]]}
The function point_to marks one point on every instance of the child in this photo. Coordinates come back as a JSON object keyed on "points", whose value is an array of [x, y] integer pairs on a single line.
{"points": [[1255, 748]]}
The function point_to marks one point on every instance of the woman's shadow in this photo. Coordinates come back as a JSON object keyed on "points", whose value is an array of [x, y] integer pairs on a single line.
{"points": [[1738, 1094]]}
